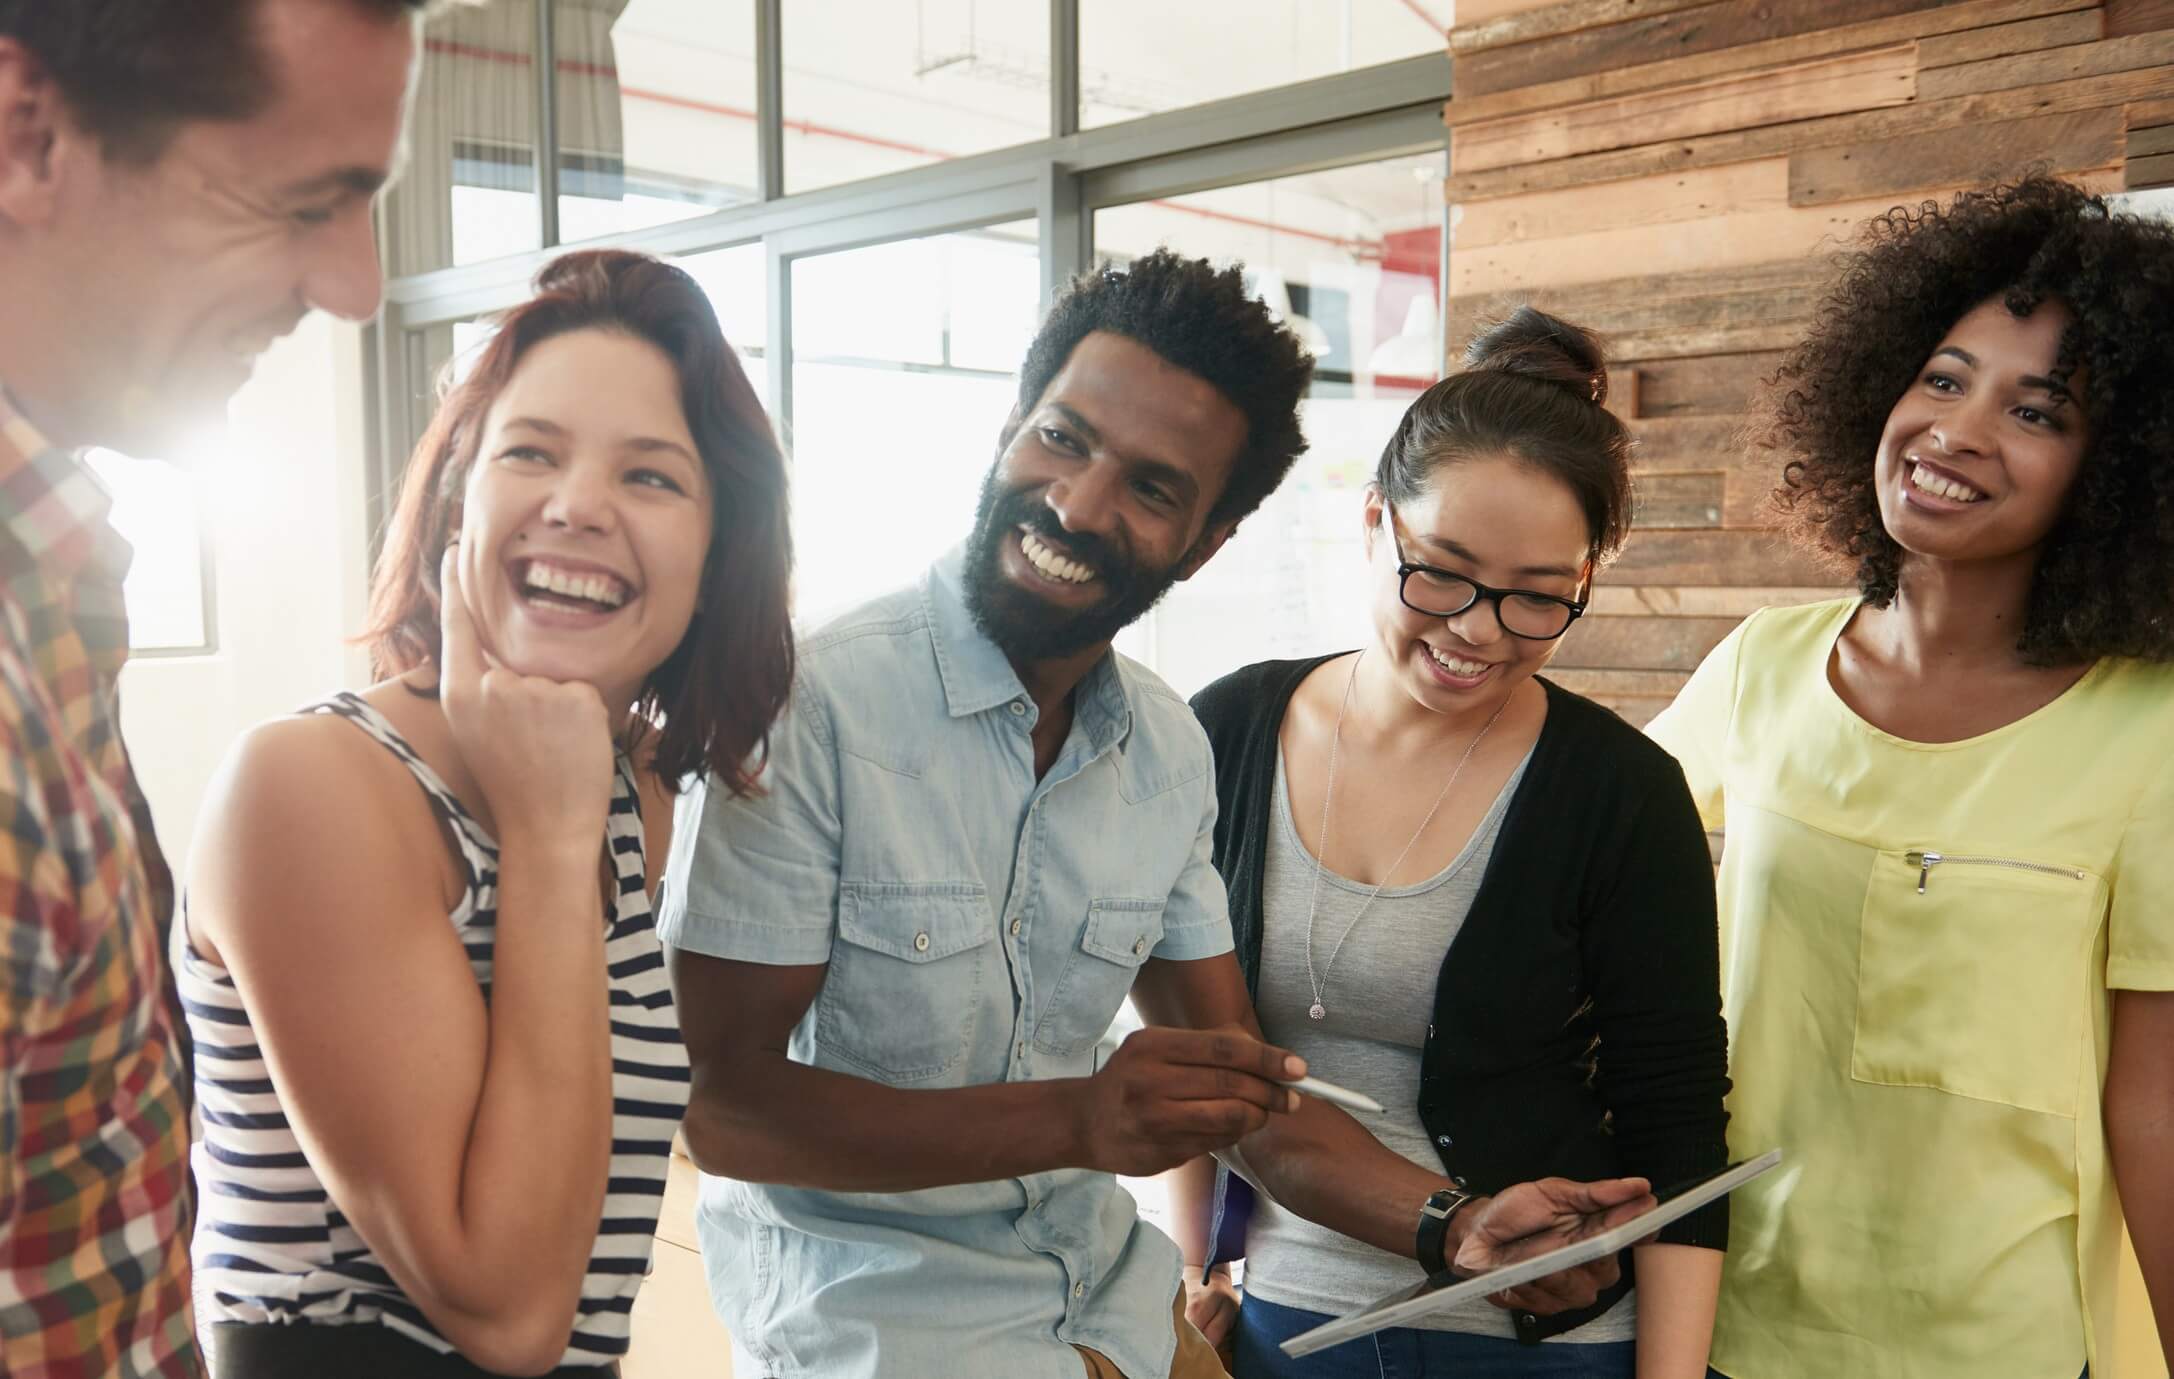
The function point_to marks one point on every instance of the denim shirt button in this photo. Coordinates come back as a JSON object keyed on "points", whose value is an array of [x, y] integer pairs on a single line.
{"points": [[920, 942], [1139, 947], [1019, 709], [1015, 926], [1079, 1290]]}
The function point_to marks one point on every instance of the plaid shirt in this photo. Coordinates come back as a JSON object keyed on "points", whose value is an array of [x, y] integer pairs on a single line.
{"points": [[94, 1121]]}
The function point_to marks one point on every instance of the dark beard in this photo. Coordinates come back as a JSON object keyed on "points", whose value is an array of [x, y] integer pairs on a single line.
{"points": [[1026, 629]]}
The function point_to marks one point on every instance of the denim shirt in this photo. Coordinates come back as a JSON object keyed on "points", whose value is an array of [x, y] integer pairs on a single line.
{"points": [[980, 926]]}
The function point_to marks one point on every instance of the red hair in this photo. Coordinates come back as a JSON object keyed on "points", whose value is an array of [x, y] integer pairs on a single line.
{"points": [[717, 694]]}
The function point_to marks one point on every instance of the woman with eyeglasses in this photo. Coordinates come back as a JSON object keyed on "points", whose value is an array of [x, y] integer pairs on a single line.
{"points": [[1474, 896]]}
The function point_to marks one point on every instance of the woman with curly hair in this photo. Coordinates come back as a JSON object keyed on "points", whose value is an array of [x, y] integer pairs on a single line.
{"points": [[1947, 938]]}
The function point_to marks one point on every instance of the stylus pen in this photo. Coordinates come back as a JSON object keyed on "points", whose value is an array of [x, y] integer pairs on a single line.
{"points": [[1335, 1095]]}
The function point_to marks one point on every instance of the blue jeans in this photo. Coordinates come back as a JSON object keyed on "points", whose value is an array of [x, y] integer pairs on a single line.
{"points": [[1406, 1354]]}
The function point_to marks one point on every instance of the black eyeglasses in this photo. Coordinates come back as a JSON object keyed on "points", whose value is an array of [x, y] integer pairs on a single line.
{"points": [[1438, 593]]}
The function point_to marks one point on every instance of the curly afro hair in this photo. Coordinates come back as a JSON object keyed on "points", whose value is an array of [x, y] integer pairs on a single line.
{"points": [[1203, 320], [2105, 579]]}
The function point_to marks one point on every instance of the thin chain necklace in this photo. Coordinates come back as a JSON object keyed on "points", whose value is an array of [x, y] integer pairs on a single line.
{"points": [[1318, 1010]]}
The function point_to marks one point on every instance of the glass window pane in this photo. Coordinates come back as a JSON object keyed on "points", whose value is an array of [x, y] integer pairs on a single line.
{"points": [[656, 112], [468, 191], [155, 509], [1351, 258], [873, 88], [1138, 57], [731, 277], [892, 428]]}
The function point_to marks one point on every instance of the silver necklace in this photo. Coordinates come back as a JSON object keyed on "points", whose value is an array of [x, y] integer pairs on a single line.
{"points": [[1318, 1010]]}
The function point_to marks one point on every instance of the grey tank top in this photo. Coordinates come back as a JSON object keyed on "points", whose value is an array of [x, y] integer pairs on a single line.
{"points": [[1379, 995]]}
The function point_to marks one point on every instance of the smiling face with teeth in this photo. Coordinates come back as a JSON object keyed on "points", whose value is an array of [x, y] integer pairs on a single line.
{"points": [[1979, 454], [1497, 520], [1099, 501], [152, 284], [587, 518]]}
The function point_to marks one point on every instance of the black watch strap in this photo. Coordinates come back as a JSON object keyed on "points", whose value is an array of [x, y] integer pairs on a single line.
{"points": [[1439, 1210]]}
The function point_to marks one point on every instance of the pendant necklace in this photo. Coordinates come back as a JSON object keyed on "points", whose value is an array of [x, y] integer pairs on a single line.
{"points": [[1319, 1009]]}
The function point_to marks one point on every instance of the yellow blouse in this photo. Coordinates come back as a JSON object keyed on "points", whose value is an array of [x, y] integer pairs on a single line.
{"points": [[1917, 940]]}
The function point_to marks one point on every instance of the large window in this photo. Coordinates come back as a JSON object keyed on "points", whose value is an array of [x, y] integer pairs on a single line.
{"points": [[876, 88], [896, 413], [880, 199], [1138, 57], [655, 111]]}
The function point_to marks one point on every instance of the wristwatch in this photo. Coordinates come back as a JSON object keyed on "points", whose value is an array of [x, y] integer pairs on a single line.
{"points": [[1434, 1218]]}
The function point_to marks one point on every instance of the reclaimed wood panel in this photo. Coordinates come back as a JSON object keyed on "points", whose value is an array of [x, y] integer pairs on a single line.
{"points": [[1685, 442], [1759, 185], [1466, 106], [1699, 29], [1626, 684], [2143, 173], [2145, 143], [1702, 385], [1641, 643], [2022, 36], [2145, 114], [1984, 153], [1639, 711], [1717, 557], [1714, 449], [1470, 35], [1721, 241], [1681, 304], [2138, 16], [1469, 12], [1701, 601], [2138, 51], [1677, 501], [2085, 93], [1778, 95]]}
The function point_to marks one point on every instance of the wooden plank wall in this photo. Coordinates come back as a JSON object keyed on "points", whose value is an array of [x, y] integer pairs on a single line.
{"points": [[1673, 173]]}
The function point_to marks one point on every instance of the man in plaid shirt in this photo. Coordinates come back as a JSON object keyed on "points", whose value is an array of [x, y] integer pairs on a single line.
{"points": [[181, 181]]}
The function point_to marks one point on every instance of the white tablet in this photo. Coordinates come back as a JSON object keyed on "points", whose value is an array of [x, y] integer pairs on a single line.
{"points": [[1446, 1290]]}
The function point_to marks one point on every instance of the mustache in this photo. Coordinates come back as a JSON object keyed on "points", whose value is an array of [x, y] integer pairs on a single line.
{"points": [[1114, 566]]}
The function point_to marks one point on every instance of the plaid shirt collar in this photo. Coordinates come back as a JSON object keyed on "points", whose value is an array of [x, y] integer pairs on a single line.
{"points": [[53, 508]]}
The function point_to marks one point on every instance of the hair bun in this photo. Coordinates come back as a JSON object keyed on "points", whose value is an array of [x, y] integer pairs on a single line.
{"points": [[1536, 345]]}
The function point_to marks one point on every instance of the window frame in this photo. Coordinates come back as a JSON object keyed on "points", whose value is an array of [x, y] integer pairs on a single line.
{"points": [[1386, 111]]}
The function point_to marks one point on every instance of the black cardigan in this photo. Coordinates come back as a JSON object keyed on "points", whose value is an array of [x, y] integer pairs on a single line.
{"points": [[1577, 1026]]}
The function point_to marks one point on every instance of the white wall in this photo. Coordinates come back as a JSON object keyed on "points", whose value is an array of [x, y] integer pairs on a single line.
{"points": [[284, 496]]}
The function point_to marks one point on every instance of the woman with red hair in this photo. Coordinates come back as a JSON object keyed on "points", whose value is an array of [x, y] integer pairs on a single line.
{"points": [[440, 1065]]}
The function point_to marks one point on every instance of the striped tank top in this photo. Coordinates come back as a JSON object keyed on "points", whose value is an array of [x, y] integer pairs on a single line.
{"points": [[272, 1246]]}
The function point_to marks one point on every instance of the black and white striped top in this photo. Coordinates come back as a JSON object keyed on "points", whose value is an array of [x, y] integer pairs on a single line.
{"points": [[271, 1245]]}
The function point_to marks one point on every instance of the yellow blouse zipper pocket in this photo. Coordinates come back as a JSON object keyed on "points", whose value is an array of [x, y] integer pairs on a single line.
{"points": [[1926, 859]]}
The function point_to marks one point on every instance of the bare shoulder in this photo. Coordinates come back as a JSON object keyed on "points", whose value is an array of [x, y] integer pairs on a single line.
{"points": [[302, 808]]}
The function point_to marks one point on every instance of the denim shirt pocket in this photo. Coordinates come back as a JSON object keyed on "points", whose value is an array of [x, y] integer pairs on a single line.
{"points": [[1119, 936], [904, 986]]}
